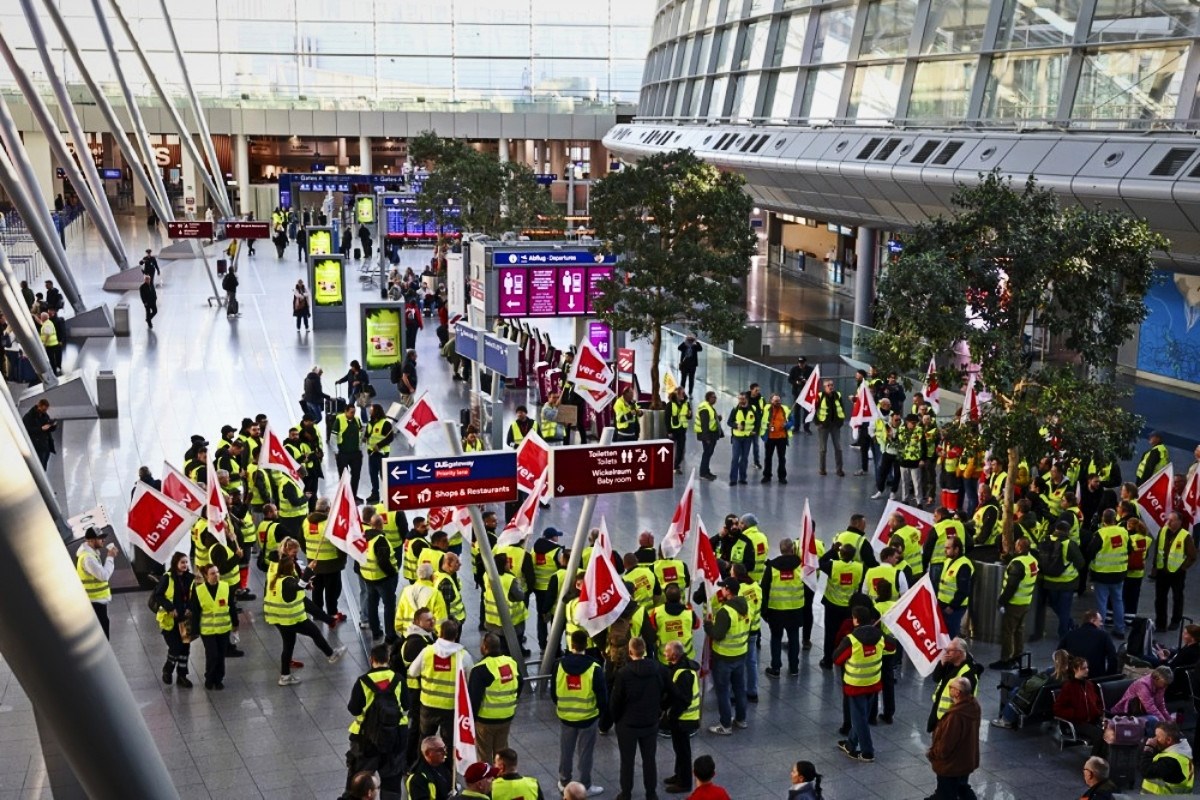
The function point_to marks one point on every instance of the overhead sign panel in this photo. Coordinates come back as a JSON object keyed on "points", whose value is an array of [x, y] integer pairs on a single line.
{"points": [[248, 230], [607, 469], [550, 257], [477, 478], [190, 229], [501, 355]]}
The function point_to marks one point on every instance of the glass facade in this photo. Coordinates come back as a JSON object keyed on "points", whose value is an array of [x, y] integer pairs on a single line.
{"points": [[374, 53], [1109, 64]]}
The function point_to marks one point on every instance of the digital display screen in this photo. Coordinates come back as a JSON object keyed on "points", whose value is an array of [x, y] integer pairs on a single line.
{"points": [[364, 209], [327, 282], [320, 242], [381, 337]]}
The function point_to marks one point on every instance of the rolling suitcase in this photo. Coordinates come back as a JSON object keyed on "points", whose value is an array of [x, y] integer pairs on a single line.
{"points": [[1141, 637], [357, 254], [222, 266], [232, 308]]}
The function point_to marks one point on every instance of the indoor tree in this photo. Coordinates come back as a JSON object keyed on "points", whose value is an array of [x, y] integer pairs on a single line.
{"points": [[683, 229]]}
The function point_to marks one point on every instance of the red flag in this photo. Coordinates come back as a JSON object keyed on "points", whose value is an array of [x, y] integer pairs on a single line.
{"points": [[603, 596], [1154, 498], [810, 570], [811, 393], [864, 410], [588, 369], [439, 518], [465, 753], [158, 523], [705, 564], [916, 622], [179, 488], [217, 511], [273, 455], [681, 521], [933, 394], [1190, 502], [921, 520], [522, 523], [418, 418], [971, 401], [344, 527], [533, 461], [598, 399]]}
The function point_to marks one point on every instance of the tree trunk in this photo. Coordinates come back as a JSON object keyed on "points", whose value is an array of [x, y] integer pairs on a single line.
{"points": [[655, 350], [1014, 461]]}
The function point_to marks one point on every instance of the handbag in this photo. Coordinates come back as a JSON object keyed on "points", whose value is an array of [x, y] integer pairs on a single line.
{"points": [[185, 633]]}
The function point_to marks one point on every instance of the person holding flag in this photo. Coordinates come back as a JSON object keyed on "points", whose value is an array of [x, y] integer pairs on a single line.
{"points": [[478, 778]]}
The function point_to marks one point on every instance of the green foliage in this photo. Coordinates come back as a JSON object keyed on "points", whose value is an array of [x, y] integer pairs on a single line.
{"points": [[683, 227]]}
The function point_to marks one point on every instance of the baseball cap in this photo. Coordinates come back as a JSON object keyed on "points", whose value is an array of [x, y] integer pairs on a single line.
{"points": [[479, 771], [199, 440], [802, 358], [93, 533], [551, 533], [730, 584]]}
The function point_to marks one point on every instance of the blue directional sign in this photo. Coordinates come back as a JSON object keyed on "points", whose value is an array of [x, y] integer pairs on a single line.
{"points": [[469, 479], [501, 355], [542, 257], [466, 341]]}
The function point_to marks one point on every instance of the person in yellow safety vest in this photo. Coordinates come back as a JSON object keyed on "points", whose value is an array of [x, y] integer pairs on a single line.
{"points": [[445, 580], [378, 681], [1168, 766], [546, 557], [668, 571], [885, 435], [293, 503], [230, 459], [945, 527], [997, 478], [510, 784], [283, 607], [1154, 459], [743, 428], [728, 629], [477, 780], [758, 405], [860, 655], [49, 336], [436, 667], [1032, 525], [890, 571], [784, 601], [955, 662], [226, 558], [494, 685], [749, 589], [776, 431], [910, 538], [679, 411], [954, 586], [986, 519], [520, 566], [173, 595], [627, 417], [571, 624], [517, 605], [197, 468], [845, 576], [707, 427], [268, 532], [519, 428], [1139, 548], [641, 578], [580, 694], [380, 576], [258, 488], [326, 561], [548, 426], [674, 621], [380, 434], [682, 716], [421, 594], [1174, 555], [830, 416], [855, 536], [1016, 595], [439, 545], [471, 443], [1108, 554], [95, 571], [433, 776], [1060, 563], [211, 602], [749, 526]]}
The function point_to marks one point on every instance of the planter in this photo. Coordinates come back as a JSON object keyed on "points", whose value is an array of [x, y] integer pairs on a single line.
{"points": [[654, 424]]}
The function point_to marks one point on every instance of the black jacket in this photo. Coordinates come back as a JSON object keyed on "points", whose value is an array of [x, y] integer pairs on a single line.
{"points": [[580, 664], [1095, 646], [149, 294], [638, 694]]}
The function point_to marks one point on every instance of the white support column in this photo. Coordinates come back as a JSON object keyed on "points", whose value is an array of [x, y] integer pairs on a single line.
{"points": [[187, 173], [241, 172], [38, 147], [364, 155], [864, 282], [503, 143]]}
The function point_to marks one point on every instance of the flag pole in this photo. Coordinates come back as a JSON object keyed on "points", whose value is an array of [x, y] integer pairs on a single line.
{"points": [[489, 561], [560, 608]]}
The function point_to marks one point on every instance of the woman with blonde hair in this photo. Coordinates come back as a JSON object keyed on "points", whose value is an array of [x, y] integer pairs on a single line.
{"points": [[1023, 701], [283, 607]]}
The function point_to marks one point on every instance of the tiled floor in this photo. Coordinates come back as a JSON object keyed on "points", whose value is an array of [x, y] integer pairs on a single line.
{"points": [[198, 370]]}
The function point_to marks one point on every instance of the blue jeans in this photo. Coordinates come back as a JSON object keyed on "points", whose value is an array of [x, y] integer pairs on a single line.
{"points": [[706, 450], [860, 730], [954, 618], [1059, 601], [729, 676], [752, 663], [384, 590], [1115, 591], [754, 448], [741, 454]]}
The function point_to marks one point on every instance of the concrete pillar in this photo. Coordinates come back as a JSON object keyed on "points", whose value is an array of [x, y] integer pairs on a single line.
{"points": [[192, 204], [503, 145], [364, 155], [864, 281], [530, 161], [38, 147], [241, 172], [343, 160]]}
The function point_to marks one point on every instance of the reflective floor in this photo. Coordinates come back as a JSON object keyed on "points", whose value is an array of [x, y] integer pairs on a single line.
{"points": [[198, 370]]}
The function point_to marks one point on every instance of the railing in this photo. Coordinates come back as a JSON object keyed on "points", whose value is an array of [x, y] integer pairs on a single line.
{"points": [[1018, 124]]}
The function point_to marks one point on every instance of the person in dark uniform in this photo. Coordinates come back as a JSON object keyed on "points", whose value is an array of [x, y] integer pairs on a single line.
{"points": [[40, 428], [149, 299]]}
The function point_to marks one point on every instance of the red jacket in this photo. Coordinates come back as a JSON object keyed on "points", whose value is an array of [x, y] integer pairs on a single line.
{"points": [[1079, 701]]}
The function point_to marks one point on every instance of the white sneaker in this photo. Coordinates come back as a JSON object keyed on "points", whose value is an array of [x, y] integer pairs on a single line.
{"points": [[721, 730], [288, 680], [877, 495], [337, 655], [234, 638], [562, 787], [741, 724], [593, 791]]}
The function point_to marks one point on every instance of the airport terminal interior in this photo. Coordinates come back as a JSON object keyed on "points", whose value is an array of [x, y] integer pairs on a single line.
{"points": [[311, 103]]}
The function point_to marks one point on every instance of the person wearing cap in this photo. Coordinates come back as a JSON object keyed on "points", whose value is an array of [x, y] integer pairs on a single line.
{"points": [[95, 571], [689, 359], [1154, 459], [510, 784], [548, 556], [797, 377], [478, 779]]}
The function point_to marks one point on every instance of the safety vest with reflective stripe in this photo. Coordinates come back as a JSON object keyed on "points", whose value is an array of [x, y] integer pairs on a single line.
{"points": [[844, 579], [516, 562], [390, 528], [761, 546], [544, 567], [431, 556], [257, 498], [314, 541], [522, 788], [214, 611], [753, 594], [268, 535], [409, 569], [669, 571], [199, 551], [500, 697], [576, 697], [712, 418], [491, 613], [693, 710], [455, 607], [372, 570], [643, 585], [674, 628], [1113, 556], [277, 610], [865, 665], [96, 589], [678, 415], [1069, 574], [438, 674], [1150, 786], [1175, 554], [944, 701], [949, 583], [1163, 458], [878, 576], [787, 589], [548, 428], [1023, 596], [944, 530], [288, 509], [914, 558], [977, 518], [852, 538], [743, 423], [737, 638], [376, 431], [625, 413]]}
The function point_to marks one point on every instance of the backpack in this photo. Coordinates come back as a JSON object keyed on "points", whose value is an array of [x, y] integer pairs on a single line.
{"points": [[229, 283], [1024, 698], [381, 722]]}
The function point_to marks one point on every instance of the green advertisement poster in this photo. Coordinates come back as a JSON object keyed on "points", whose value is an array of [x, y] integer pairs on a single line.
{"points": [[320, 243], [381, 337], [364, 209], [327, 282]]}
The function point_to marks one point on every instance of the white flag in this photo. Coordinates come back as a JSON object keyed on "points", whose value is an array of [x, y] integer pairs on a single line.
{"points": [[916, 622], [465, 753], [604, 595], [681, 522], [344, 526], [933, 394], [810, 394]]}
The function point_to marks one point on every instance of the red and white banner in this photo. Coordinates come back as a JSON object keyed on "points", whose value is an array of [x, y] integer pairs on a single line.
{"points": [[916, 622], [681, 521], [603, 596], [704, 562], [970, 407], [465, 753], [158, 523], [864, 410], [810, 394], [1190, 505], [217, 512], [931, 390], [344, 527], [522, 524], [533, 463], [588, 369], [273, 455], [921, 520], [1154, 498], [597, 399], [451, 519], [181, 489], [418, 418], [810, 570]]}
